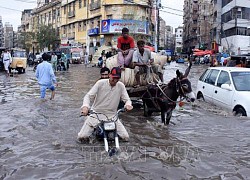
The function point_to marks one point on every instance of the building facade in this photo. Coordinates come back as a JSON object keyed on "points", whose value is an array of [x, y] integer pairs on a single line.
{"points": [[1, 33], [47, 13], [235, 29], [162, 34], [217, 25], [178, 39], [26, 21], [94, 23], [170, 39], [190, 21], [8, 36], [204, 24]]}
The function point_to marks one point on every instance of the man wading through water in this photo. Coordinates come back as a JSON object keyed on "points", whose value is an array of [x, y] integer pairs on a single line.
{"points": [[46, 77], [105, 95]]}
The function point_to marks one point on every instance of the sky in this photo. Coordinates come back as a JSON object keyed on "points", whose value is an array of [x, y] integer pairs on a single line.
{"points": [[172, 19], [10, 10]]}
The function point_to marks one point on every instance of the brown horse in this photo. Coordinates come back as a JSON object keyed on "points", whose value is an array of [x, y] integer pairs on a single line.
{"points": [[163, 98]]}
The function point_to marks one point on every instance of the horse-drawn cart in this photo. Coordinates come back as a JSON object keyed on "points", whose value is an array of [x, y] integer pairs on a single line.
{"points": [[163, 97]]}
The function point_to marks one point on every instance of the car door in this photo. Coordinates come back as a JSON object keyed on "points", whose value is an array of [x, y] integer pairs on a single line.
{"points": [[223, 97], [209, 84]]}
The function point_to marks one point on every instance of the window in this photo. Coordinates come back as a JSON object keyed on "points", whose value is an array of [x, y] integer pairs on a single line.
{"points": [[109, 16], [80, 4], [49, 16], [128, 16], [79, 26], [64, 9], [211, 78], [225, 2], [223, 78], [241, 80], [203, 75], [84, 3]]}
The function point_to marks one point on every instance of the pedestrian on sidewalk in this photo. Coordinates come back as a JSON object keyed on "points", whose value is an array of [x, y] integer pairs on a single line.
{"points": [[86, 58], [46, 77]]}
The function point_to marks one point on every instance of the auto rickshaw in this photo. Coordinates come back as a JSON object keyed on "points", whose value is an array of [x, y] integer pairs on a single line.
{"points": [[19, 60]]}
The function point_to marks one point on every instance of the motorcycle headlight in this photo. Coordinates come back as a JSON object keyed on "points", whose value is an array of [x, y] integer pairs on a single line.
{"points": [[108, 126]]}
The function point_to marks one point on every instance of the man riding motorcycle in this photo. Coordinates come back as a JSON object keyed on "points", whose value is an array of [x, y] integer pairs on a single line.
{"points": [[106, 95]]}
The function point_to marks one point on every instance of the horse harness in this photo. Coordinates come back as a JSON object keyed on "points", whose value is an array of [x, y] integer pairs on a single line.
{"points": [[159, 91]]}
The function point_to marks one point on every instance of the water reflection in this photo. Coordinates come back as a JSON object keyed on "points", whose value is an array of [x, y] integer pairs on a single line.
{"points": [[38, 138]]}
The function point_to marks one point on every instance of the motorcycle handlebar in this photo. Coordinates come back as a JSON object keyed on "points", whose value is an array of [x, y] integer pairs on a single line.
{"points": [[116, 115]]}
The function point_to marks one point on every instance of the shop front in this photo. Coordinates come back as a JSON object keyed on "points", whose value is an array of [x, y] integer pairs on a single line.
{"points": [[112, 29], [93, 39]]}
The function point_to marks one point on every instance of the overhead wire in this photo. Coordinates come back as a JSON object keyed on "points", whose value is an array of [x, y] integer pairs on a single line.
{"points": [[10, 8], [25, 1]]}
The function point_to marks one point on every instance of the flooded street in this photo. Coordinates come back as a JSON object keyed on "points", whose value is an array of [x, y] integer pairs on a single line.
{"points": [[37, 139]]}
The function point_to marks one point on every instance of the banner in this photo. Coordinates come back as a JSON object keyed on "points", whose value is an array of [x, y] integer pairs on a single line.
{"points": [[115, 26]]}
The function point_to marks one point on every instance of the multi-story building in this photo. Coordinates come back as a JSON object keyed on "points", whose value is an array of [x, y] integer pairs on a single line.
{"points": [[162, 34], [204, 24], [216, 21], [235, 29], [94, 23], [190, 21], [178, 39], [170, 38], [47, 13], [26, 20], [41, 3], [197, 24], [1, 32], [8, 35]]}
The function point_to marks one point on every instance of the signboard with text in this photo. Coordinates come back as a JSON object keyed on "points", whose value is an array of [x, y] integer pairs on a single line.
{"points": [[115, 26], [93, 32]]}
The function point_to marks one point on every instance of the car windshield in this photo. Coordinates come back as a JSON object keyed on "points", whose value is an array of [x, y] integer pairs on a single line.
{"points": [[241, 80], [76, 55], [19, 54]]}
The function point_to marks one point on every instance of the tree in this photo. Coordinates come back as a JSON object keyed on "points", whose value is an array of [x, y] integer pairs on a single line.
{"points": [[47, 37], [25, 40]]}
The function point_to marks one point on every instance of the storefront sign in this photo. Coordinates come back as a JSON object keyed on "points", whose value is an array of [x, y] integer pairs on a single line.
{"points": [[115, 26], [93, 32]]}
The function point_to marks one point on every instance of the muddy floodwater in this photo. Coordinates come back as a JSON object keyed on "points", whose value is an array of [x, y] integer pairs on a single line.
{"points": [[37, 139]]}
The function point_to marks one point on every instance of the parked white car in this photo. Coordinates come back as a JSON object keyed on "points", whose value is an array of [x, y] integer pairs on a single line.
{"points": [[227, 87]]}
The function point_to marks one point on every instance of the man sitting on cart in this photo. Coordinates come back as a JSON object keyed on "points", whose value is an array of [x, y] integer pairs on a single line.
{"points": [[142, 61], [125, 47]]}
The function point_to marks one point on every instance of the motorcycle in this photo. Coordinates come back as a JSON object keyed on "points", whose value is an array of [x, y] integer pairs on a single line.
{"points": [[61, 66], [106, 130], [30, 61], [36, 62]]}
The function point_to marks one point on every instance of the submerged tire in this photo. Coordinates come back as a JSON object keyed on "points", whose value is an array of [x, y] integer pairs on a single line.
{"points": [[200, 96], [240, 111]]}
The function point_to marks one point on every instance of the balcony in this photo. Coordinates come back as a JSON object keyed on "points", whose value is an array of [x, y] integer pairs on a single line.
{"points": [[195, 17], [195, 7], [95, 5], [71, 14], [193, 26]]}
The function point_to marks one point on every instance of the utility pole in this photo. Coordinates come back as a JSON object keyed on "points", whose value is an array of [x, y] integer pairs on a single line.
{"points": [[157, 20]]}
